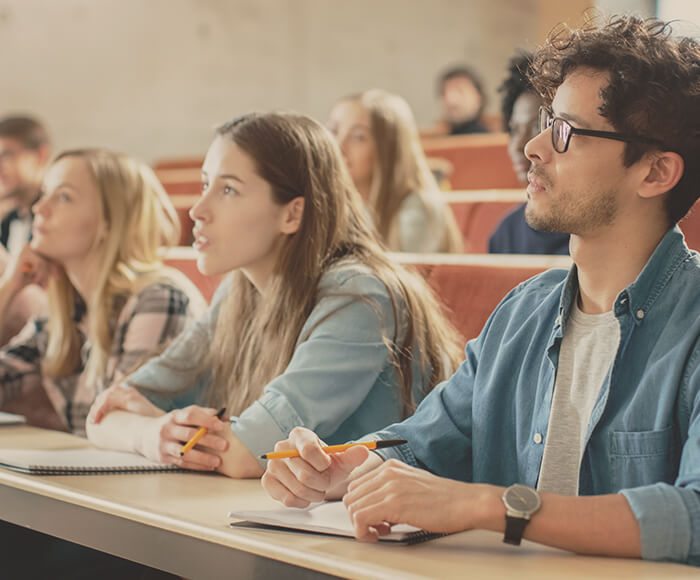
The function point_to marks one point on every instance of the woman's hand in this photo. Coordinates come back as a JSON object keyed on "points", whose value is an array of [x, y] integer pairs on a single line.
{"points": [[165, 436], [29, 268], [123, 398]]}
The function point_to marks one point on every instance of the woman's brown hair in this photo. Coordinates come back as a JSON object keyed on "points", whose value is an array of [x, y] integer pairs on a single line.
{"points": [[256, 334]]}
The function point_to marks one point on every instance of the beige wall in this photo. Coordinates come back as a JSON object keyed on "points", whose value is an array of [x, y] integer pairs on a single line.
{"points": [[152, 77]]}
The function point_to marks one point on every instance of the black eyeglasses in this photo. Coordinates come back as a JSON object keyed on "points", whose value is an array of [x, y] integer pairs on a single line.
{"points": [[562, 132]]}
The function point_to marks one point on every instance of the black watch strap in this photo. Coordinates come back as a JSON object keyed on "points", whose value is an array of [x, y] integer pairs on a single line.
{"points": [[514, 530]]}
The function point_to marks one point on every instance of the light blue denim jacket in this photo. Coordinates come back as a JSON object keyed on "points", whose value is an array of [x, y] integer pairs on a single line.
{"points": [[488, 422], [340, 382]]}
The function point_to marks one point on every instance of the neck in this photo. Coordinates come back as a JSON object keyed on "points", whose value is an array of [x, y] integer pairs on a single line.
{"points": [[82, 273], [260, 273], [611, 258], [365, 190]]}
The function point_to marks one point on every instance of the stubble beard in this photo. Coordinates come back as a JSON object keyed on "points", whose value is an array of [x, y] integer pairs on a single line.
{"points": [[573, 213]]}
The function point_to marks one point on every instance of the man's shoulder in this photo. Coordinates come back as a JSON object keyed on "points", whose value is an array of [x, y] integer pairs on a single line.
{"points": [[542, 284], [537, 298]]}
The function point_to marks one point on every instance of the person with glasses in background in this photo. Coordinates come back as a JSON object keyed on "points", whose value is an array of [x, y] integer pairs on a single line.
{"points": [[520, 106], [575, 419]]}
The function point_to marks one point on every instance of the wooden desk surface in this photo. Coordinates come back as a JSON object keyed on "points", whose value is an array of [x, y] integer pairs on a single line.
{"points": [[171, 518]]}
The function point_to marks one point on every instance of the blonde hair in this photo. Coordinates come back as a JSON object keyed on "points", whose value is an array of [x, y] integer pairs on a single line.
{"points": [[140, 219], [401, 169], [256, 335]]}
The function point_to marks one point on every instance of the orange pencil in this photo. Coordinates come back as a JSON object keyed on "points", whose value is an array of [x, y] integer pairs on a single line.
{"points": [[337, 448], [198, 435]]}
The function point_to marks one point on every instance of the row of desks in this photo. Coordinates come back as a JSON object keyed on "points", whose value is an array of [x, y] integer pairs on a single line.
{"points": [[178, 522]]}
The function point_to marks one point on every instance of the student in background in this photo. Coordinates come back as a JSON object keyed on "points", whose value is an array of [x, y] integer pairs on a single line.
{"points": [[97, 231], [379, 142], [462, 99], [313, 326], [24, 154], [586, 384], [520, 107]]}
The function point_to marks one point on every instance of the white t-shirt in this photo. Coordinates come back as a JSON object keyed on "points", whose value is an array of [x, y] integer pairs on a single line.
{"points": [[588, 350]]}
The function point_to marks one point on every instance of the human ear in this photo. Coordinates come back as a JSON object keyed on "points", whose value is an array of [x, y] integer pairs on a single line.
{"points": [[293, 214], [665, 171]]}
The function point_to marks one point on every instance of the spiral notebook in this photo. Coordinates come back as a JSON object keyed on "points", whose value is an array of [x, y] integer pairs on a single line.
{"points": [[78, 462], [329, 518]]}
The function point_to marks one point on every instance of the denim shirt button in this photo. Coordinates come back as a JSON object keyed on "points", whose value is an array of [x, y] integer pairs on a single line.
{"points": [[640, 314], [557, 321], [537, 438]]}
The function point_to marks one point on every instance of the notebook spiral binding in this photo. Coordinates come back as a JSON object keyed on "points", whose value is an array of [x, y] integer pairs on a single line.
{"points": [[49, 470], [422, 536]]}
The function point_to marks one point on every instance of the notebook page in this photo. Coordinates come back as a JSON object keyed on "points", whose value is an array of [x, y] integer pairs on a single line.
{"points": [[75, 459], [326, 518]]}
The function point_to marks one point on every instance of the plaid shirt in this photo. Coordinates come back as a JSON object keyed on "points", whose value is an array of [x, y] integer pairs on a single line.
{"points": [[147, 321]]}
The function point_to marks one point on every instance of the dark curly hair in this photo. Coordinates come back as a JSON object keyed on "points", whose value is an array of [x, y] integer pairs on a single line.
{"points": [[654, 88], [515, 84]]}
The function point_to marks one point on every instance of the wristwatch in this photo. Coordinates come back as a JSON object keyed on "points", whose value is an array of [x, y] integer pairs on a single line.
{"points": [[521, 502]]}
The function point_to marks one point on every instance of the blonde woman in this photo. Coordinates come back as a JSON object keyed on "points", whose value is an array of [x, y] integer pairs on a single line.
{"points": [[314, 326], [379, 140], [98, 228]]}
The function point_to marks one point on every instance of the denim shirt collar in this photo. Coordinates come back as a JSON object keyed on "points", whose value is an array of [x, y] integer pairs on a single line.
{"points": [[639, 297]]}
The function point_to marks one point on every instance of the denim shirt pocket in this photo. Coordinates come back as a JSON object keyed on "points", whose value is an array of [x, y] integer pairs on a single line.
{"points": [[641, 458]]}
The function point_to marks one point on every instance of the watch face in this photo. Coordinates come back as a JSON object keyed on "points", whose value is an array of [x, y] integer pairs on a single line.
{"points": [[522, 498]]}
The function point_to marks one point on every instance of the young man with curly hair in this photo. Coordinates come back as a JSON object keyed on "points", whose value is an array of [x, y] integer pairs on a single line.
{"points": [[575, 419]]}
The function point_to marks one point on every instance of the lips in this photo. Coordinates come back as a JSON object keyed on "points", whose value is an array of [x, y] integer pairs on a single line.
{"points": [[38, 229], [535, 184], [200, 240]]}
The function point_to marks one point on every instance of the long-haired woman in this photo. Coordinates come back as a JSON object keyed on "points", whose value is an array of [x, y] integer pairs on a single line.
{"points": [[379, 140], [314, 325], [98, 228]]}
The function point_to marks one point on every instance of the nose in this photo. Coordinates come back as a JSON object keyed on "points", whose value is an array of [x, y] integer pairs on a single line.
{"points": [[39, 206], [343, 145], [539, 148], [199, 212]]}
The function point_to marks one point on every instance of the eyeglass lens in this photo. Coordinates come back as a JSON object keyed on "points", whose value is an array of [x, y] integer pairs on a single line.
{"points": [[561, 130]]}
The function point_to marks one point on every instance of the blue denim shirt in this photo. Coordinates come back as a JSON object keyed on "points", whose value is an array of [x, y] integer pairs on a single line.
{"points": [[488, 422], [340, 381]]}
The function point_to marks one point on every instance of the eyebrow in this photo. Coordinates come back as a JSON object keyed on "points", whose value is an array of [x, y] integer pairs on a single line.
{"points": [[65, 184], [226, 176], [575, 119]]}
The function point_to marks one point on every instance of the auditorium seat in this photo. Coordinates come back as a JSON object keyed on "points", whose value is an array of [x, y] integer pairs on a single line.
{"points": [[191, 162], [185, 260], [471, 286], [477, 214], [479, 161], [690, 225]]}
